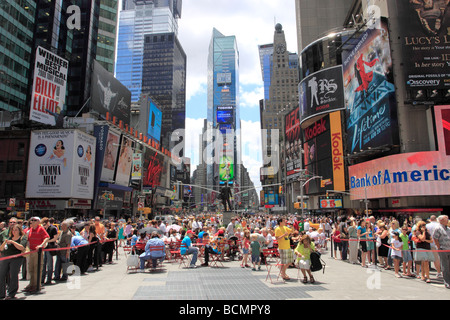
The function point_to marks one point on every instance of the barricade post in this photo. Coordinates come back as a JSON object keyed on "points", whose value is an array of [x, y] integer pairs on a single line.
{"points": [[38, 279]]}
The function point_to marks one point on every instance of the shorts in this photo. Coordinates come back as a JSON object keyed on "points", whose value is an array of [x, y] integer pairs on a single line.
{"points": [[363, 245], [286, 256], [338, 245], [396, 257], [245, 251], [255, 259]]}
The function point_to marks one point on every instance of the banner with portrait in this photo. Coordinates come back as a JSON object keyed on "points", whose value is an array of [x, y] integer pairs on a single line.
{"points": [[124, 162]]}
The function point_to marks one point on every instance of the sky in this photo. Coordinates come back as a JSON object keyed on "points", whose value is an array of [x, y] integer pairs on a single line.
{"points": [[252, 22]]}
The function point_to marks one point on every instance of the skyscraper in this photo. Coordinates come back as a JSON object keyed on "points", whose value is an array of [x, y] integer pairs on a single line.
{"points": [[164, 79], [138, 18], [223, 110], [281, 77]]}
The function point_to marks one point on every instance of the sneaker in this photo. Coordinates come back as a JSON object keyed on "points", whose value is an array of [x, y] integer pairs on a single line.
{"points": [[204, 264], [193, 266], [259, 268], [253, 269]]}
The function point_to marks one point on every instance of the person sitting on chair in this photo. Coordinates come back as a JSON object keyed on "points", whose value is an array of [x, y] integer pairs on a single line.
{"points": [[209, 249], [187, 248], [150, 253]]}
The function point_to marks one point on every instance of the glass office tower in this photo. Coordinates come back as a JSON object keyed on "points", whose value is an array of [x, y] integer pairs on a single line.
{"points": [[16, 46], [164, 79], [223, 110], [138, 18]]}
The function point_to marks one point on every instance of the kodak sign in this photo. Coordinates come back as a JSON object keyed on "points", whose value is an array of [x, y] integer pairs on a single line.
{"points": [[337, 151]]}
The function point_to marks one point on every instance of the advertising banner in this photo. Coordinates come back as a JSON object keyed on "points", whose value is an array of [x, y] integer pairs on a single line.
{"points": [[153, 168], [407, 174], [154, 121], [425, 41], [61, 164], [124, 162], [226, 169], [321, 92], [49, 87], [136, 172], [369, 91], [292, 144], [337, 152], [318, 155], [110, 156], [109, 95]]}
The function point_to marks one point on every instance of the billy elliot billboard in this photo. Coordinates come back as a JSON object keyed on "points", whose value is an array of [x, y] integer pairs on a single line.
{"points": [[49, 87], [323, 154], [321, 92], [109, 95], [425, 37], [369, 91], [292, 143]]}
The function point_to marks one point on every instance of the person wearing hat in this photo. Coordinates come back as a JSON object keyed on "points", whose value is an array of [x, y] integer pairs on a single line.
{"points": [[37, 239], [187, 248]]}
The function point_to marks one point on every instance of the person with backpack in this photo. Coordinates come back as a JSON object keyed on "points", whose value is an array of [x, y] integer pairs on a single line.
{"points": [[303, 252]]}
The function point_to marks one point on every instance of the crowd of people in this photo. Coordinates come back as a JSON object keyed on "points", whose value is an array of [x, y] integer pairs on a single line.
{"points": [[408, 247]]}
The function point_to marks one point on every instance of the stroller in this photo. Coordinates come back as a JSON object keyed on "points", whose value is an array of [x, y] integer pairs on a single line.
{"points": [[233, 248]]}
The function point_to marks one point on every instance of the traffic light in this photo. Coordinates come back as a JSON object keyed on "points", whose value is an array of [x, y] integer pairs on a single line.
{"points": [[280, 190], [27, 206], [328, 196]]}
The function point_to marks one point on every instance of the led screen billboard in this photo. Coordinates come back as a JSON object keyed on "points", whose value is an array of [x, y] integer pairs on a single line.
{"points": [[321, 92], [226, 169], [369, 91], [154, 121], [224, 116], [407, 174]]}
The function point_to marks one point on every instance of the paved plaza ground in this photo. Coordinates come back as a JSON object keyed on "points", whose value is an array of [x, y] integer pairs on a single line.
{"points": [[340, 281]]}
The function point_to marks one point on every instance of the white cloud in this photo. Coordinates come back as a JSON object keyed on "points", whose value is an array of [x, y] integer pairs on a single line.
{"points": [[250, 99]]}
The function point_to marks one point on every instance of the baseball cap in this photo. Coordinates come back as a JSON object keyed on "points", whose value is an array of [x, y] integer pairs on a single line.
{"points": [[190, 232]]}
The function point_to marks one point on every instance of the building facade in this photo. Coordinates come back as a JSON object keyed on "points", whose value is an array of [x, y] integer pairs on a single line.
{"points": [[281, 70]]}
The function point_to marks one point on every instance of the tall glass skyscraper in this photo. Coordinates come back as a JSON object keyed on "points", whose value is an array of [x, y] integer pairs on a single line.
{"points": [[223, 109], [138, 18], [16, 49], [164, 79]]}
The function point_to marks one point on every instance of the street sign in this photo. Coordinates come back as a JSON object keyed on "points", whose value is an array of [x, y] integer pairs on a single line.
{"points": [[140, 206], [12, 202]]}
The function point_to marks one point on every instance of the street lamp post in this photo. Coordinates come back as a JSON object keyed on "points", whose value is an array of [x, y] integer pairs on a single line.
{"points": [[302, 185]]}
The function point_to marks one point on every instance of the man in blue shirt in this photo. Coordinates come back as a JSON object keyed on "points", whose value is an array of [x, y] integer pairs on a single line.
{"points": [[154, 249], [82, 249], [187, 248]]}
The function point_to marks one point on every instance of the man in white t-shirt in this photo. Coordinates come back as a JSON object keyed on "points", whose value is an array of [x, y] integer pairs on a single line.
{"points": [[306, 225], [269, 238], [431, 227]]}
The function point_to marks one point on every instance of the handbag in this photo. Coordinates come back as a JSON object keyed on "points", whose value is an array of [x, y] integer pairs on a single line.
{"points": [[133, 260], [316, 262], [378, 242]]}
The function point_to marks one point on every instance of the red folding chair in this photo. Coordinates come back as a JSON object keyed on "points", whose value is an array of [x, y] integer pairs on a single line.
{"points": [[159, 265], [270, 266], [216, 259], [174, 252], [185, 259]]}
